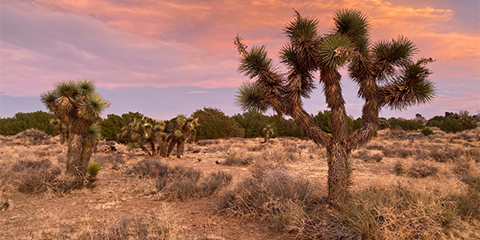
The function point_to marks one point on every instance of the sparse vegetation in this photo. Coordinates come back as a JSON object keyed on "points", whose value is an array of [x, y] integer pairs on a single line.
{"points": [[179, 182]]}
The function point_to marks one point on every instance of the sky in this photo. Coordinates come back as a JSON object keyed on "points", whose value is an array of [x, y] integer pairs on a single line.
{"points": [[163, 58]]}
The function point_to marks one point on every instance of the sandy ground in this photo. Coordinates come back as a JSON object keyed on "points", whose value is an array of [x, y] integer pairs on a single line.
{"points": [[117, 195]]}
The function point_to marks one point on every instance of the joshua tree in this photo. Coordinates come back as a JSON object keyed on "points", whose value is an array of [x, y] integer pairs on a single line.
{"points": [[60, 128], [268, 132], [139, 133], [384, 71], [78, 106], [181, 134]]}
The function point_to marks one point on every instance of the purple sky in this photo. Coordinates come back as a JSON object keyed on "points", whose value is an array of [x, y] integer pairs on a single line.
{"points": [[163, 58]]}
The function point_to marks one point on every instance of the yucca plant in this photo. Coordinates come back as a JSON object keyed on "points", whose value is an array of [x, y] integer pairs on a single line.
{"points": [[78, 106], [183, 131], [142, 134], [384, 71], [267, 132], [94, 168], [60, 128]]}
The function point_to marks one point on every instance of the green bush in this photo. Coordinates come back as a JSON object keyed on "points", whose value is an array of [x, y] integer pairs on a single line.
{"points": [[451, 126], [427, 131], [213, 123], [323, 120], [405, 124]]}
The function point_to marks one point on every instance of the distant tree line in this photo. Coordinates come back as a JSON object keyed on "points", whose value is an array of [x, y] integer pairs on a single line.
{"points": [[449, 123], [213, 123], [22, 121]]}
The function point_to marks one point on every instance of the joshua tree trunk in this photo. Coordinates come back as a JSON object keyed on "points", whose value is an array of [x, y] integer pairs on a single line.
{"points": [[171, 146], [180, 148], [337, 172], [74, 155], [267, 135], [163, 148]]}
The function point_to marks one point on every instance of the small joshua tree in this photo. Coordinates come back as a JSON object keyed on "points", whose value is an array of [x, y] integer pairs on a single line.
{"points": [[268, 132], [384, 71], [78, 106], [139, 133], [60, 128], [183, 131]]}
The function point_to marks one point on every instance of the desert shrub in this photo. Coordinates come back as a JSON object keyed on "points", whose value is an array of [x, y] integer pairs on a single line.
{"points": [[473, 180], [179, 182], [449, 154], [257, 148], [148, 167], [280, 156], [427, 131], [397, 213], [468, 204], [35, 176], [34, 136], [367, 156], [416, 169], [272, 194], [404, 152], [374, 146], [422, 169], [132, 226], [236, 158], [183, 183]]}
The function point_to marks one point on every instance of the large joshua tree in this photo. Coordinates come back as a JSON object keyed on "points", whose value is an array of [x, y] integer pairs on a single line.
{"points": [[78, 106], [384, 71]]}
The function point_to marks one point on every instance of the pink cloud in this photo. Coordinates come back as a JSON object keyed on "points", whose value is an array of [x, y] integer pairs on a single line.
{"points": [[189, 43]]}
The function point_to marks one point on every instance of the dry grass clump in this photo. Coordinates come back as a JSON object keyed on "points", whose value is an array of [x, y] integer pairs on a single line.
{"points": [[34, 136], [36, 177], [374, 146], [207, 142], [369, 156], [292, 204], [416, 169], [272, 194], [449, 154], [146, 225], [140, 226], [179, 182], [257, 148], [397, 212], [151, 167], [188, 183], [238, 158]]}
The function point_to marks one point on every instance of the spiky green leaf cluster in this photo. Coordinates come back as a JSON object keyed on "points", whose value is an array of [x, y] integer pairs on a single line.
{"points": [[94, 168], [75, 103], [250, 98]]}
